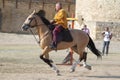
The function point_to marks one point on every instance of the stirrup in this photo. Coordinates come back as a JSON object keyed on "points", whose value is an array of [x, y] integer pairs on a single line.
{"points": [[53, 47]]}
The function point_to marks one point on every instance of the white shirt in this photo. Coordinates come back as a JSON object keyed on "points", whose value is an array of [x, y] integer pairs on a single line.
{"points": [[107, 36]]}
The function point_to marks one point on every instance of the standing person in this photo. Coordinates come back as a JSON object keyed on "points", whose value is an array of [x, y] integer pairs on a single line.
{"points": [[60, 22], [107, 37], [85, 29]]}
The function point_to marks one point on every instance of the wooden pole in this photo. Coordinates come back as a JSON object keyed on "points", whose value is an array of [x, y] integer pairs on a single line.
{"points": [[30, 4], [3, 3], [69, 7], [73, 21], [16, 5], [43, 5]]}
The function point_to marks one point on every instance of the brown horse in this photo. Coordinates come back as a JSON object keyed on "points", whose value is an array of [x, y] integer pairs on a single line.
{"points": [[80, 40]]}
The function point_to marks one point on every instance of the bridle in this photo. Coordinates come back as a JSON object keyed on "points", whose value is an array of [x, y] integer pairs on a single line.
{"points": [[30, 30], [31, 19]]}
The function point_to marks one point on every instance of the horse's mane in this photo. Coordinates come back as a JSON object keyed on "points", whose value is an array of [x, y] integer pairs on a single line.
{"points": [[41, 14]]}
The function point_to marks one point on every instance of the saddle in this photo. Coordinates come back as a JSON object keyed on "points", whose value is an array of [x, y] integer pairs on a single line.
{"points": [[65, 34]]}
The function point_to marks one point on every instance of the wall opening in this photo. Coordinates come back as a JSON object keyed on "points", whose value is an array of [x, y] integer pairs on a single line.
{"points": [[0, 19]]}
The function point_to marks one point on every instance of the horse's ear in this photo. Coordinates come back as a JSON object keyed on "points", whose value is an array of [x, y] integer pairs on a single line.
{"points": [[33, 12]]}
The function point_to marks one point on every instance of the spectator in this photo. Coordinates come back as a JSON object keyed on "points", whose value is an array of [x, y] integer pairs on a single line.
{"points": [[85, 29], [107, 37]]}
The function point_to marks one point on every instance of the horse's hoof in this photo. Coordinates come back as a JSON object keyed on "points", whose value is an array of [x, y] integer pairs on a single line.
{"points": [[72, 70], [88, 67], [58, 73]]}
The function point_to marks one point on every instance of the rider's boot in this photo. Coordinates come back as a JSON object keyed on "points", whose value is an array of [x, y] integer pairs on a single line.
{"points": [[53, 46]]}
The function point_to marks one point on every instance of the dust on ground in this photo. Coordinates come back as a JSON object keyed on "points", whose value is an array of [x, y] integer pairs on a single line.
{"points": [[19, 60]]}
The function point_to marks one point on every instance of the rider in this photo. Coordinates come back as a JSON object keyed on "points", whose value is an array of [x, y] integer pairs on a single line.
{"points": [[60, 22]]}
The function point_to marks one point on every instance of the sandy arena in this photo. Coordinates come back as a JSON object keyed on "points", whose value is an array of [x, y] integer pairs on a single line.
{"points": [[19, 60]]}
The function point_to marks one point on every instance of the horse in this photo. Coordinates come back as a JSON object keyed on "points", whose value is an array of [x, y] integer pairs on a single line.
{"points": [[80, 40]]}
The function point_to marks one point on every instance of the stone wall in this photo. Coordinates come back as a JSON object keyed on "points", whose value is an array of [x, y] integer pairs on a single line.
{"points": [[98, 10], [12, 16], [0, 19], [99, 14]]}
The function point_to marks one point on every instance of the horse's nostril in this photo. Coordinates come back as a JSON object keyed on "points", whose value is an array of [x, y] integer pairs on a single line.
{"points": [[25, 27]]}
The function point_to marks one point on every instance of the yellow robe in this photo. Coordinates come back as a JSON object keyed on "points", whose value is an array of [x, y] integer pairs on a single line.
{"points": [[61, 18]]}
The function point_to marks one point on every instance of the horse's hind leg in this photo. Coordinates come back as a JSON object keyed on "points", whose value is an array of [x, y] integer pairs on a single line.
{"points": [[76, 63], [83, 56], [84, 61], [48, 61]]}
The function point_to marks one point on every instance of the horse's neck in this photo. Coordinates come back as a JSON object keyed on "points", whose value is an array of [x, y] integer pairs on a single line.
{"points": [[42, 31]]}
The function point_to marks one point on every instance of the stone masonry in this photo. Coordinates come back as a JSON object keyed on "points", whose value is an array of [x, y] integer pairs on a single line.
{"points": [[99, 14], [13, 14]]}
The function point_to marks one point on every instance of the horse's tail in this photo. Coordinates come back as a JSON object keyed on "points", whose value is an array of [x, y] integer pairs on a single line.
{"points": [[92, 47]]}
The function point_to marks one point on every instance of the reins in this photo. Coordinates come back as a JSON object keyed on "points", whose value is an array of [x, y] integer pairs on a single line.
{"points": [[38, 41]]}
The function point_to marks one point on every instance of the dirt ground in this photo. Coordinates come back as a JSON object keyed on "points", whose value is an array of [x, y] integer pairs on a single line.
{"points": [[19, 60]]}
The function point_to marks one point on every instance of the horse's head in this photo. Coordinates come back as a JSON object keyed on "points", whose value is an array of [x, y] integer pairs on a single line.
{"points": [[29, 22], [35, 19]]}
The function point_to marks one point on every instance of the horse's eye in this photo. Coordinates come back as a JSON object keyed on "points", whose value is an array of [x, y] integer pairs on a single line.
{"points": [[30, 18]]}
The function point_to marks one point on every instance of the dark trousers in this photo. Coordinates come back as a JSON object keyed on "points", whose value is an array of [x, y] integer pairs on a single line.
{"points": [[106, 47], [57, 37]]}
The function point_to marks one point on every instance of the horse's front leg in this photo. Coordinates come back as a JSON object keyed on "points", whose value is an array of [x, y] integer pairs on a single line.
{"points": [[48, 61]]}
